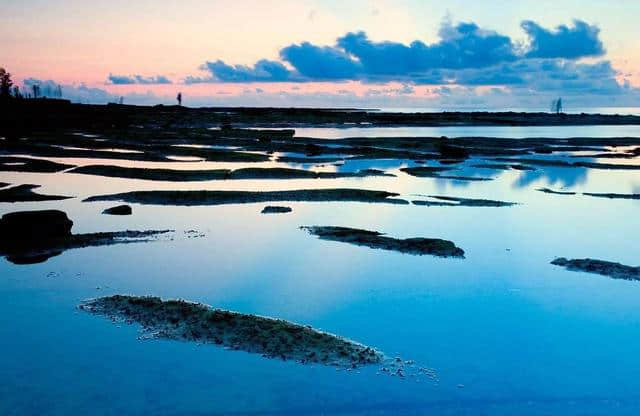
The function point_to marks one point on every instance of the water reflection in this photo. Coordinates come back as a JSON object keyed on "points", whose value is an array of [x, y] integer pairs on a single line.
{"points": [[482, 322], [565, 177]]}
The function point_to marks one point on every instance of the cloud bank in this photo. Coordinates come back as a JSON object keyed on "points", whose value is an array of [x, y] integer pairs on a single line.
{"points": [[137, 79], [465, 54]]}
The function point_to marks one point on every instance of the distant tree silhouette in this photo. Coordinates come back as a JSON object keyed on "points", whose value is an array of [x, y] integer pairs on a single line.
{"points": [[179, 98], [16, 92], [121, 101], [59, 91], [5, 84], [35, 89]]}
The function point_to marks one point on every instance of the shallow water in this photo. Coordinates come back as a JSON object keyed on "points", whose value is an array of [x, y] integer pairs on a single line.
{"points": [[471, 131], [507, 332]]}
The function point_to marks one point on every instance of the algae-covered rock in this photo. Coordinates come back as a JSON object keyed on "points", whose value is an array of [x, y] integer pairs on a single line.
{"points": [[195, 322], [602, 267]]}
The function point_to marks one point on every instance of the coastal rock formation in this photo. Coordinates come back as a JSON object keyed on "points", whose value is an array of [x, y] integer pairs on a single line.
{"points": [[34, 225], [273, 209], [551, 191], [602, 267], [435, 172], [24, 193], [612, 195], [374, 239], [453, 201], [192, 198], [272, 338], [118, 210], [28, 237]]}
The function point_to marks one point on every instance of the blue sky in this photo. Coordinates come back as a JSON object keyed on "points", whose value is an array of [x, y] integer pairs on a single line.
{"points": [[334, 53]]}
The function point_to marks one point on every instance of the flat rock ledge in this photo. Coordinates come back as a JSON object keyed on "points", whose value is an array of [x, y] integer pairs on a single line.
{"points": [[274, 209], [601, 267], [374, 239], [118, 210], [29, 237], [181, 320]]}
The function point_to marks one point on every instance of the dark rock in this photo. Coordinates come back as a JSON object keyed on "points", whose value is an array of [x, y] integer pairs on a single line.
{"points": [[602, 267], [273, 209], [118, 210], [30, 225], [39, 250], [374, 239], [194, 198], [28, 237], [25, 193], [26, 164], [551, 191], [448, 151], [435, 172], [462, 202], [612, 195]]}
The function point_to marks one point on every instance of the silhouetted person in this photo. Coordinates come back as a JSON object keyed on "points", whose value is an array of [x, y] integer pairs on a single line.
{"points": [[556, 106], [559, 106], [179, 98]]}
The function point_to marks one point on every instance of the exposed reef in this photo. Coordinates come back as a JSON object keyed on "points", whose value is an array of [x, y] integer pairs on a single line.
{"points": [[188, 198], [500, 166], [273, 209], [180, 320], [565, 164], [374, 239], [612, 195], [302, 160], [605, 268], [24, 193], [170, 175], [462, 202], [34, 225], [164, 134], [118, 210], [435, 172], [187, 175], [28, 237], [26, 164], [551, 191], [62, 113]]}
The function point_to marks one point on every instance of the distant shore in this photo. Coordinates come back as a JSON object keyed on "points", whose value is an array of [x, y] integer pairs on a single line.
{"points": [[53, 113]]}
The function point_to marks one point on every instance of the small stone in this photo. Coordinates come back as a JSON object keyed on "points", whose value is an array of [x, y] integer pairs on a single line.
{"points": [[273, 209], [118, 210]]}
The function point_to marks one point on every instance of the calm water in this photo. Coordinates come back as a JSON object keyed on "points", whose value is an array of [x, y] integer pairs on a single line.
{"points": [[472, 131], [508, 333]]}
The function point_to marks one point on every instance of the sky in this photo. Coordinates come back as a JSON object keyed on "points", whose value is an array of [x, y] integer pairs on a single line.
{"points": [[365, 53]]}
